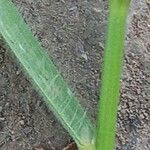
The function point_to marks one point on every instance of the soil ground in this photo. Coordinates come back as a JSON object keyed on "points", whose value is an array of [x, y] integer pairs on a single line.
{"points": [[73, 34]]}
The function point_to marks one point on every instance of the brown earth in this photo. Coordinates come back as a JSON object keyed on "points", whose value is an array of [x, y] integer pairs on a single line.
{"points": [[73, 33]]}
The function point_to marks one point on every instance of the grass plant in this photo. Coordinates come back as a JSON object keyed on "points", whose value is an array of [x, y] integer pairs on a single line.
{"points": [[54, 89]]}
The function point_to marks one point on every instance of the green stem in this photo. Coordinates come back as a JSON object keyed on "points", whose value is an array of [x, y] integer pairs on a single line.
{"points": [[110, 86]]}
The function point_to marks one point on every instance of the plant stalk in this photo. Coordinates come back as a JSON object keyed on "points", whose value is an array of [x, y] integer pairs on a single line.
{"points": [[112, 68]]}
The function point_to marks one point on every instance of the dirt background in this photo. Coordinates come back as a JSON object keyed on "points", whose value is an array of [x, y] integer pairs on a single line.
{"points": [[73, 33]]}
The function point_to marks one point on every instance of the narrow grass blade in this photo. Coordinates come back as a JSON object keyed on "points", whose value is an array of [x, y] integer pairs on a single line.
{"points": [[110, 86], [45, 75]]}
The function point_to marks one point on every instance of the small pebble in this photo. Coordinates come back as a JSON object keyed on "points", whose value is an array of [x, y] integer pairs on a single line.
{"points": [[38, 148], [21, 122], [2, 119], [84, 56], [1, 109]]}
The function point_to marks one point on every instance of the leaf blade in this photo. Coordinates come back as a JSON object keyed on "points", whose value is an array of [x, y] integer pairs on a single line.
{"points": [[44, 74]]}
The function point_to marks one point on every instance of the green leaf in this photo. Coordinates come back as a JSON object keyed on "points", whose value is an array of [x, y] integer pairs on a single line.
{"points": [[45, 75]]}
